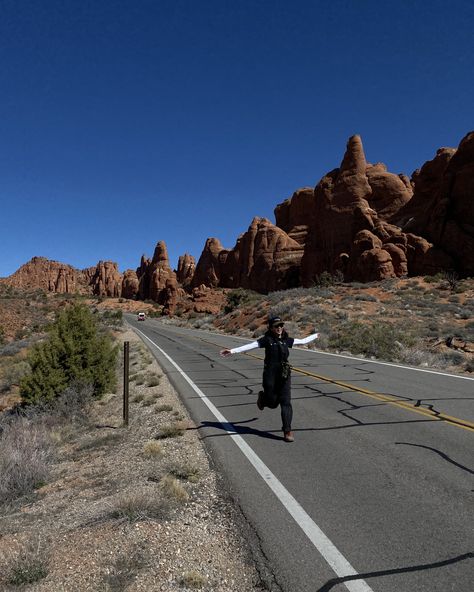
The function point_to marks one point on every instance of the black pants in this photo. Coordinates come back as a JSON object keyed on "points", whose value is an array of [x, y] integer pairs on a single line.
{"points": [[277, 391]]}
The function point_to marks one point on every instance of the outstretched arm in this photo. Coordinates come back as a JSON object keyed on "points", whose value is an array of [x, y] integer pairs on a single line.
{"points": [[306, 339], [237, 350]]}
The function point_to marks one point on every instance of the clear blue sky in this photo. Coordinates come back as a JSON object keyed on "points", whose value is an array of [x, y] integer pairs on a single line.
{"points": [[128, 122]]}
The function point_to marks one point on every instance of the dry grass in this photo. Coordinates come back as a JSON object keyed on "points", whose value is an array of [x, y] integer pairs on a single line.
{"points": [[152, 448], [134, 506], [174, 430], [193, 579], [185, 472], [163, 408], [26, 455], [30, 565], [123, 571], [172, 489]]}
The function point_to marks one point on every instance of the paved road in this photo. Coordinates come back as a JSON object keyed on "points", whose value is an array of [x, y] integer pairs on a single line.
{"points": [[376, 492]]}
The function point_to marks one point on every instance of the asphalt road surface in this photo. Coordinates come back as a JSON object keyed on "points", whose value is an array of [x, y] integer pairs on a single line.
{"points": [[376, 493]]}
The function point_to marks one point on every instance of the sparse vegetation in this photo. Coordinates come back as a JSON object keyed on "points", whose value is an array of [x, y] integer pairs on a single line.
{"points": [[192, 579], [134, 506], [30, 566], [170, 431], [26, 454], [163, 408], [123, 571], [172, 489], [381, 340], [184, 472], [153, 448]]}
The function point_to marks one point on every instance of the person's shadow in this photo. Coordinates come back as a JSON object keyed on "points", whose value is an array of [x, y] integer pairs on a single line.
{"points": [[235, 428]]}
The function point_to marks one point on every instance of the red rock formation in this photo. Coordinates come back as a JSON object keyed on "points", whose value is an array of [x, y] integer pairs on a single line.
{"points": [[186, 269], [264, 259], [105, 279], [172, 293], [296, 215], [102, 280], [153, 276], [442, 209], [351, 232], [130, 284], [426, 181], [208, 300], [209, 267], [50, 276]]}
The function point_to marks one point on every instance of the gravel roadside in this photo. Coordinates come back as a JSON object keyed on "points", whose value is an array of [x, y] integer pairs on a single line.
{"points": [[137, 508]]}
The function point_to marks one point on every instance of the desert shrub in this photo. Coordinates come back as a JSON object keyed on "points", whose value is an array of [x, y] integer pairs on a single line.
{"points": [[433, 279], [75, 351], [14, 347], [30, 566], [139, 505], [170, 431], [124, 571], [25, 455], [365, 298], [152, 448], [452, 358], [192, 579], [236, 298], [163, 408], [381, 340], [185, 472], [451, 279], [73, 404], [416, 356], [172, 489], [326, 279], [114, 318], [13, 373]]}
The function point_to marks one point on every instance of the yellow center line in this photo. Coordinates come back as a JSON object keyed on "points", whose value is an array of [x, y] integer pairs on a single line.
{"points": [[434, 415]]}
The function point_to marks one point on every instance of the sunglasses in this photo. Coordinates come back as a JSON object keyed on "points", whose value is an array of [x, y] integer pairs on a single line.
{"points": [[279, 325]]}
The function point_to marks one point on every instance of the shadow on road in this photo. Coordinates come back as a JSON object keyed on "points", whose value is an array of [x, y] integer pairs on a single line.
{"points": [[389, 572], [235, 428]]}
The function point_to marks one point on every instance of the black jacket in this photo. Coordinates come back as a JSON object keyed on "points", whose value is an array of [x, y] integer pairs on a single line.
{"points": [[276, 349]]}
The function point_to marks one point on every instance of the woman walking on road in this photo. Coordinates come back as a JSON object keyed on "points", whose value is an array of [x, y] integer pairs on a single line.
{"points": [[276, 370]]}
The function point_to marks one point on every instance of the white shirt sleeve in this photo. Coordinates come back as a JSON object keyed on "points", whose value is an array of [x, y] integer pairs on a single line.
{"points": [[242, 348], [306, 339]]}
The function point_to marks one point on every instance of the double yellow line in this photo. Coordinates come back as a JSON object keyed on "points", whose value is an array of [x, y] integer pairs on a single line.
{"points": [[434, 415]]}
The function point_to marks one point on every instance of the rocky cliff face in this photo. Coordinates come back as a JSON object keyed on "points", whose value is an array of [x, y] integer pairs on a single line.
{"points": [[186, 269], [442, 208], [352, 233], [360, 220], [51, 276], [104, 279], [263, 259], [156, 279]]}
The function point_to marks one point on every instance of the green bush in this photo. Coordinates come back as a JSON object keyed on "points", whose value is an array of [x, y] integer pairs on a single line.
{"points": [[75, 352]]}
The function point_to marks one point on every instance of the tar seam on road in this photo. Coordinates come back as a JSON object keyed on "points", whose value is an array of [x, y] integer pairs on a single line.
{"points": [[339, 564], [433, 414]]}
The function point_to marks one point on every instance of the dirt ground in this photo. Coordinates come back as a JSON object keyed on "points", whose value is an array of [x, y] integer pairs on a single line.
{"points": [[127, 508]]}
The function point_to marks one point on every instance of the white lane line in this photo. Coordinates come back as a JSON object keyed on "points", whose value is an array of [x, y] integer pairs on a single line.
{"points": [[341, 567]]}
